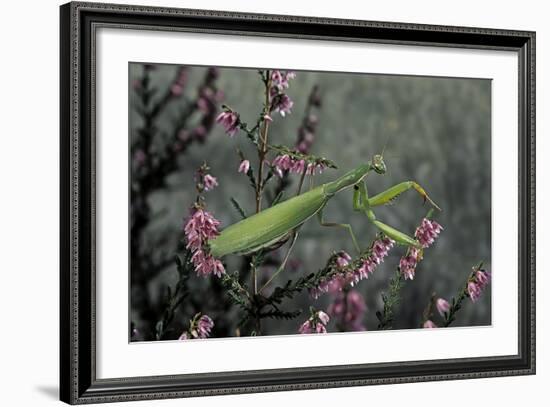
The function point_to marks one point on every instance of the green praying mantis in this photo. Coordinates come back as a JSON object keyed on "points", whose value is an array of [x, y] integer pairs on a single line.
{"points": [[281, 222]]}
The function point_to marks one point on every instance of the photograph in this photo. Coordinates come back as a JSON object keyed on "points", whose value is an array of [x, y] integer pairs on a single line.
{"points": [[276, 201], [273, 200]]}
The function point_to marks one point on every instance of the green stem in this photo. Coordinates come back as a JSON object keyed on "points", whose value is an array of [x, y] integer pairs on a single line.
{"points": [[263, 147], [456, 304], [262, 151], [391, 301]]}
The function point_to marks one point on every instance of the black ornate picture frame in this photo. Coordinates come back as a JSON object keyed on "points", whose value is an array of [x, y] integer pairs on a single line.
{"points": [[79, 22]]}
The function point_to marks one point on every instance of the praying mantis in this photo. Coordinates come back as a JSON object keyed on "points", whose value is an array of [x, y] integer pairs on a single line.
{"points": [[282, 221]]}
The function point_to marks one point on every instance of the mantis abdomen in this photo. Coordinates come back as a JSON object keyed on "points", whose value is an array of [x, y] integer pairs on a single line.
{"points": [[268, 226]]}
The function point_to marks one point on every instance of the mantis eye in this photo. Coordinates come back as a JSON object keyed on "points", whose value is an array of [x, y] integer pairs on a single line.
{"points": [[378, 164]]}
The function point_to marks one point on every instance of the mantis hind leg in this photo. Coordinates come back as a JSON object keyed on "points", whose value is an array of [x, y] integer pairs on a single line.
{"points": [[361, 203], [390, 194], [346, 226]]}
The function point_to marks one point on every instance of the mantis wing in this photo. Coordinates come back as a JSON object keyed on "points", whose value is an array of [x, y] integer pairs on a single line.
{"points": [[268, 226]]}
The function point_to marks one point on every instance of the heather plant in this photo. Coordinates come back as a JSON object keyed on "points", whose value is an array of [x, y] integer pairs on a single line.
{"points": [[262, 286], [157, 153]]}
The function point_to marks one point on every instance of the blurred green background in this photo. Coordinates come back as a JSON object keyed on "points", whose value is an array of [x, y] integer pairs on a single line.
{"points": [[438, 133]]}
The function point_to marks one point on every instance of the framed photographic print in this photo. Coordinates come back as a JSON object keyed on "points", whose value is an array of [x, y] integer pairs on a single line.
{"points": [[259, 203]]}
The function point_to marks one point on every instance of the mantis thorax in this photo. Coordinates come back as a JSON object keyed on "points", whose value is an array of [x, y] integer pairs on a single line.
{"points": [[349, 179]]}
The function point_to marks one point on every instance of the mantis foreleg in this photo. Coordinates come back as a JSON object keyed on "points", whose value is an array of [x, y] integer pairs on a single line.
{"points": [[341, 225], [391, 193], [361, 202]]}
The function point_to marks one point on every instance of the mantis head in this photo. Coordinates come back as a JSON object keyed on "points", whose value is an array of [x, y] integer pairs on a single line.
{"points": [[378, 164]]}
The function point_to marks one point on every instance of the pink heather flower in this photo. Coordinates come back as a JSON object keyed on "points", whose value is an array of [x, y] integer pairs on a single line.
{"points": [[312, 168], [407, 264], [356, 302], [218, 269], [210, 182], [379, 250], [204, 326], [200, 228], [268, 118], [276, 77], [306, 133], [349, 310], [206, 264], [230, 121], [333, 285], [343, 259], [482, 278], [280, 79], [298, 166], [286, 163], [322, 288], [320, 329], [315, 324], [427, 232], [244, 166], [337, 282], [198, 329], [323, 317], [362, 272], [282, 103], [429, 324], [306, 328], [303, 147], [476, 286], [474, 292], [282, 162], [442, 306]]}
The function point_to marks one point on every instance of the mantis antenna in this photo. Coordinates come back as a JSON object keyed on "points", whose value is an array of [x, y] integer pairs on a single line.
{"points": [[385, 145]]}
